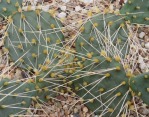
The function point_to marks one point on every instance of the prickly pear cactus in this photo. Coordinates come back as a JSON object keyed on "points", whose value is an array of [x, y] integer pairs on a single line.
{"points": [[140, 86], [34, 40], [136, 11], [100, 32], [10, 7], [102, 84], [99, 78], [15, 97]]}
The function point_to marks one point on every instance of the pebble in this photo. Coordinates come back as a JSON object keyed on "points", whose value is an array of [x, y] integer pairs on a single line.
{"points": [[18, 74], [65, 1], [75, 110], [63, 8], [111, 7], [140, 59], [84, 11], [142, 34], [142, 66], [62, 113], [2, 66], [147, 45], [77, 8], [34, 2], [85, 109], [62, 15], [65, 107], [45, 8], [87, 1]]}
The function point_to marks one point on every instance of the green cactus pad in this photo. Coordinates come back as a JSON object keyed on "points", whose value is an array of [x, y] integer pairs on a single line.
{"points": [[15, 97], [103, 32], [34, 40], [136, 11], [9, 7], [140, 86], [103, 85]]}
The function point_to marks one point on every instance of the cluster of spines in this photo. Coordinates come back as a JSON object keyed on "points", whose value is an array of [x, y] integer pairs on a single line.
{"points": [[10, 7]]}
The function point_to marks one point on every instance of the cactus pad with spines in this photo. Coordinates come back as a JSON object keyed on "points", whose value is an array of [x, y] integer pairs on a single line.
{"points": [[15, 97], [10, 7], [34, 40], [140, 86], [103, 85], [136, 11], [100, 79], [103, 31]]}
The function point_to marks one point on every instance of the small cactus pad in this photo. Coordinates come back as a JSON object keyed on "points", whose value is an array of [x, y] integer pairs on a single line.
{"points": [[34, 40], [136, 11], [104, 31], [10, 7], [15, 97], [140, 86], [102, 84]]}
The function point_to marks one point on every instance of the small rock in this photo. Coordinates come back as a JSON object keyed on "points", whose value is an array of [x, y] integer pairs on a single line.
{"points": [[142, 34], [84, 11], [56, 114], [75, 110], [95, 9], [65, 1], [147, 45], [77, 8], [34, 2], [111, 7], [62, 15], [71, 116], [142, 66], [140, 59], [63, 8], [62, 113], [87, 1], [45, 8], [85, 109], [2, 66], [65, 107], [18, 74]]}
